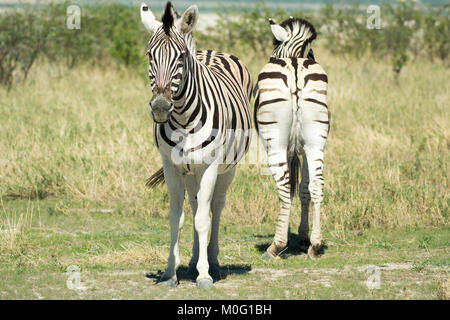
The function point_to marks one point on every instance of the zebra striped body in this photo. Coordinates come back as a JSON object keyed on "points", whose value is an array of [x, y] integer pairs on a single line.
{"points": [[220, 61], [292, 118], [211, 114], [202, 127], [217, 61]]}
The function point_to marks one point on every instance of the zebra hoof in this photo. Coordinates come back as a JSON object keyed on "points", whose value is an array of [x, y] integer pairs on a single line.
{"points": [[268, 256], [205, 284], [274, 251], [313, 252], [170, 283]]}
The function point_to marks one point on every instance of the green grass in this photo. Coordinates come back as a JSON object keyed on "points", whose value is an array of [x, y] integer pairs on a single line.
{"points": [[120, 256], [77, 146]]}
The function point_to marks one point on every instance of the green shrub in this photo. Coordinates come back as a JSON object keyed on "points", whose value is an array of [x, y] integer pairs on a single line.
{"points": [[126, 41], [245, 28], [436, 30], [113, 32], [407, 31], [23, 38]]}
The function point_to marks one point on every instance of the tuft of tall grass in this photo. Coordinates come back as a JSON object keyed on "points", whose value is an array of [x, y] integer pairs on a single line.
{"points": [[443, 289], [13, 229]]}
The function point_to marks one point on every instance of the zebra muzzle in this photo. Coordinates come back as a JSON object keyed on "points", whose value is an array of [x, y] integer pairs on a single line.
{"points": [[161, 108]]}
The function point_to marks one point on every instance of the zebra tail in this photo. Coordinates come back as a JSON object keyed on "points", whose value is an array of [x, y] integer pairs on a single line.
{"points": [[293, 166], [293, 151], [155, 179], [255, 106]]}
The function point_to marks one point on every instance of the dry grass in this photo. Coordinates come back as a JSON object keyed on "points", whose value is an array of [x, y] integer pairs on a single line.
{"points": [[443, 289], [86, 134], [131, 254], [13, 228]]}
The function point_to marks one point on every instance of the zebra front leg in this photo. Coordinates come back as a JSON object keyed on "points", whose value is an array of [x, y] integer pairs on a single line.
{"points": [[218, 202], [315, 165], [175, 186], [305, 199], [202, 221], [217, 205], [192, 188]]}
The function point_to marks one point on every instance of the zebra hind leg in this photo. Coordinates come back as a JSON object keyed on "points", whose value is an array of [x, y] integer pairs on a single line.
{"points": [[280, 173], [316, 183]]}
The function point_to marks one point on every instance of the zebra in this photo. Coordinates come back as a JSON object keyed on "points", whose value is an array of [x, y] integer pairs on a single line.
{"points": [[292, 119], [202, 129], [213, 59]]}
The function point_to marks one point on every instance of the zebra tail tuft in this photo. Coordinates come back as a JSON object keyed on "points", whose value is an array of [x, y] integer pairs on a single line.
{"points": [[293, 166], [255, 106], [155, 179]]}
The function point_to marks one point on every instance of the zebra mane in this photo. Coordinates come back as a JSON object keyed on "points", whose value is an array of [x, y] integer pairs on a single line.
{"points": [[171, 18], [302, 32], [168, 17]]}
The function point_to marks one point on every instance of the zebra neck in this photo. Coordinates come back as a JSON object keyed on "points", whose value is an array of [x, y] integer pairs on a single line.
{"points": [[190, 44], [187, 102], [299, 51]]}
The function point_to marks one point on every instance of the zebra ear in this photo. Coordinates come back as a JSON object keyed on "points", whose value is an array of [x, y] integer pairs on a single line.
{"points": [[189, 19], [278, 31], [148, 19]]}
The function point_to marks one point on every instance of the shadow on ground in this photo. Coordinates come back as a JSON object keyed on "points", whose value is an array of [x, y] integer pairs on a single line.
{"points": [[225, 271], [294, 247]]}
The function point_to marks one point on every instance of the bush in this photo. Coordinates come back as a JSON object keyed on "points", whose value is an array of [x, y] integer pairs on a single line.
{"points": [[113, 31], [22, 40], [127, 43], [407, 31], [246, 28], [436, 27], [107, 31]]}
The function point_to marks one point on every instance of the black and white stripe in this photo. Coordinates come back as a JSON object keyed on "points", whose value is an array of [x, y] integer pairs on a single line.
{"points": [[297, 40], [292, 118], [208, 102], [202, 128]]}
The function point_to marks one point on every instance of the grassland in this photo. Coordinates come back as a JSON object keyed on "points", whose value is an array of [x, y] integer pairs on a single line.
{"points": [[76, 147]]}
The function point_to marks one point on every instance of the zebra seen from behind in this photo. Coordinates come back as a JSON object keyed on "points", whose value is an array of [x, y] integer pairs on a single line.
{"points": [[202, 130], [292, 118]]}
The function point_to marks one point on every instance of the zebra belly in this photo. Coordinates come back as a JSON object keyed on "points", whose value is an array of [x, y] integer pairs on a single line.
{"points": [[187, 161]]}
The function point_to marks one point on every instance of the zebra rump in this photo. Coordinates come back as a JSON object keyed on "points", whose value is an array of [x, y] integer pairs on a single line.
{"points": [[302, 34]]}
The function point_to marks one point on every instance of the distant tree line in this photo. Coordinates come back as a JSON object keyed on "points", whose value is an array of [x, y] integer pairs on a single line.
{"points": [[112, 34]]}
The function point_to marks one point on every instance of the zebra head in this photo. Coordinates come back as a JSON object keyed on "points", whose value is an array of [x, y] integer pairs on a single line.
{"points": [[167, 51], [292, 38]]}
